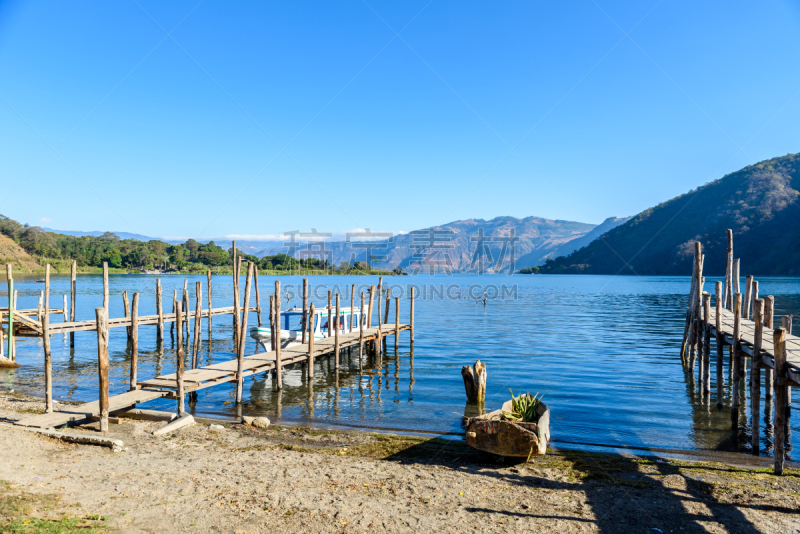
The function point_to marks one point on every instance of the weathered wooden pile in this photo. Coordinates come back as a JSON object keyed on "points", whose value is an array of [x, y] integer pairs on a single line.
{"points": [[183, 381], [738, 321]]}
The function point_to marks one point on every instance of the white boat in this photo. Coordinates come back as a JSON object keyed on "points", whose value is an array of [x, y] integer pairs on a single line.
{"points": [[292, 327]]}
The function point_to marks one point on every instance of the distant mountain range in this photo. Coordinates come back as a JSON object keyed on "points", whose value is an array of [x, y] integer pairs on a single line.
{"points": [[461, 246], [467, 246], [760, 203]]}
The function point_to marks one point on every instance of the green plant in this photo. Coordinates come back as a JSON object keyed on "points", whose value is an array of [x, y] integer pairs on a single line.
{"points": [[523, 408]]}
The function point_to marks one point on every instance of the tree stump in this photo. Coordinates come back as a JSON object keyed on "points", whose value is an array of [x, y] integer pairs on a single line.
{"points": [[475, 381]]}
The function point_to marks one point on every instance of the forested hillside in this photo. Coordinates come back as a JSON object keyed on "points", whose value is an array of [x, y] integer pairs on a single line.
{"points": [[92, 251], [759, 203]]}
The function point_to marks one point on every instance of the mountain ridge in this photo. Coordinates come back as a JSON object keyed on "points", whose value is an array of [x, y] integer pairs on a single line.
{"points": [[760, 203]]}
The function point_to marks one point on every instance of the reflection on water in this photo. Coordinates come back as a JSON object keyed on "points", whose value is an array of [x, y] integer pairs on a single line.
{"points": [[604, 351]]}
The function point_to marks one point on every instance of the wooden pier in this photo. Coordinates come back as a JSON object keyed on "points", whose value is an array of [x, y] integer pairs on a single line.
{"points": [[208, 376], [182, 382], [745, 324]]}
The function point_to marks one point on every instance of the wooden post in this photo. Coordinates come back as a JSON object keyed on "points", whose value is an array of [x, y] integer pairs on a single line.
{"points": [[698, 306], [186, 308], [388, 305], [707, 345], [160, 311], [48, 363], [2, 349], [330, 305], [379, 336], [411, 313], [278, 369], [352, 306], [73, 290], [779, 342], [40, 307], [728, 296], [718, 327], [737, 358], [235, 298], [174, 300], [305, 308], [748, 294], [258, 295], [179, 364], [754, 296], [786, 323], [769, 311], [755, 378], [242, 334], [693, 310], [65, 307], [337, 327], [475, 381], [105, 287], [11, 307], [369, 310], [361, 319], [102, 365], [126, 305], [272, 322], [208, 275], [198, 311], [311, 328], [134, 340]]}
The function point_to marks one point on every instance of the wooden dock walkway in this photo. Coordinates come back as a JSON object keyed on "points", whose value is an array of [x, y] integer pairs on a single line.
{"points": [[767, 346], [208, 376], [747, 342], [82, 326]]}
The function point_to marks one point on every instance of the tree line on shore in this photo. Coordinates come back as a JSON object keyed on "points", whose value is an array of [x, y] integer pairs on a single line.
{"points": [[191, 256]]}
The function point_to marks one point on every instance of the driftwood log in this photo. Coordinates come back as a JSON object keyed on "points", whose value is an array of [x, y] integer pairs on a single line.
{"points": [[475, 381]]}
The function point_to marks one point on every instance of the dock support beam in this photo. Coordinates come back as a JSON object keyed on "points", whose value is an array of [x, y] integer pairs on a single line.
{"points": [[198, 294], [755, 376], [361, 319], [105, 287], [179, 357], [769, 312], [337, 326], [278, 369], [159, 311], [736, 350], [102, 365], [305, 309], [73, 287], [707, 344], [134, 339], [242, 334], [48, 364], [396, 322], [311, 328], [779, 340]]}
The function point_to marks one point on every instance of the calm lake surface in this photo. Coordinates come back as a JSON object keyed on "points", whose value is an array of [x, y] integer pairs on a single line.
{"points": [[604, 351]]}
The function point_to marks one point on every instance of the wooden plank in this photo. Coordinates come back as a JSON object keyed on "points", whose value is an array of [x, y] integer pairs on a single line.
{"points": [[76, 413]]}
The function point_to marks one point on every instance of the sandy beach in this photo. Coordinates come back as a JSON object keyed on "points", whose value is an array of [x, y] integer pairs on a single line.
{"points": [[236, 478]]}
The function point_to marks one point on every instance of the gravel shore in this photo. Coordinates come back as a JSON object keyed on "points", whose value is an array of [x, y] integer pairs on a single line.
{"points": [[241, 479]]}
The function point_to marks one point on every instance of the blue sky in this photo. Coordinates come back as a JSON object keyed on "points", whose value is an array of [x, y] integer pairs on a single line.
{"points": [[219, 118]]}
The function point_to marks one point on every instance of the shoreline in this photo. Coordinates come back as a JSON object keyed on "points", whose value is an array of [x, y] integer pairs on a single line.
{"points": [[235, 478], [731, 458]]}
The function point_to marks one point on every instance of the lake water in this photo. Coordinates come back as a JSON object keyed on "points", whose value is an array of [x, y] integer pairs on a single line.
{"points": [[604, 351]]}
